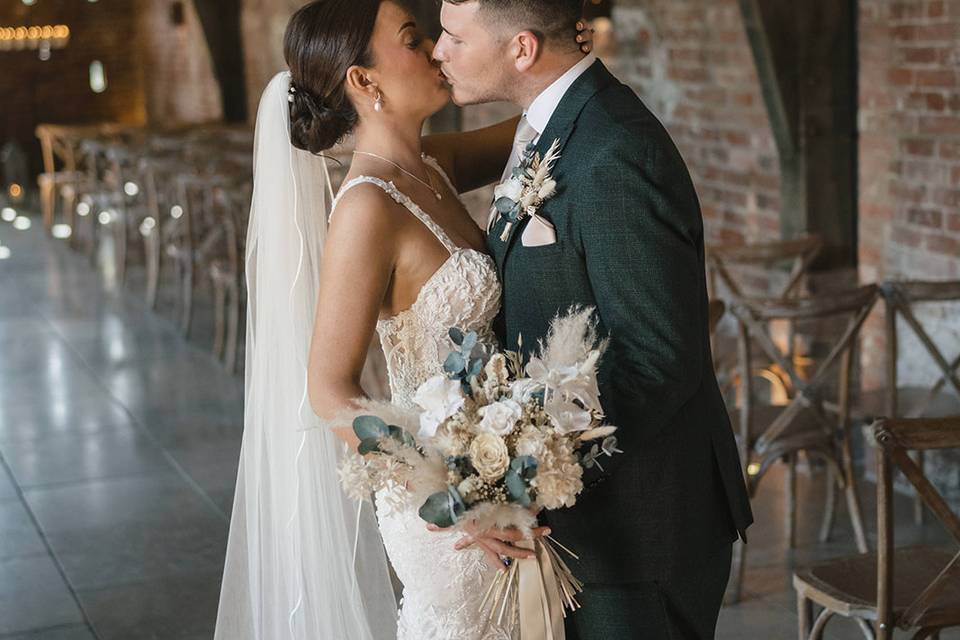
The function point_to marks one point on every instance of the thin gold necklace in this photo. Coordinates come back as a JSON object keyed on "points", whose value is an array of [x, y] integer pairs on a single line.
{"points": [[428, 185]]}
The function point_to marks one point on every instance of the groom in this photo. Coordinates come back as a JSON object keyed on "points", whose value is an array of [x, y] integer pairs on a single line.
{"points": [[623, 233]]}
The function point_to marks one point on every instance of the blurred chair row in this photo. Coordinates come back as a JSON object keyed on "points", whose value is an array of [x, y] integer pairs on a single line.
{"points": [[176, 201]]}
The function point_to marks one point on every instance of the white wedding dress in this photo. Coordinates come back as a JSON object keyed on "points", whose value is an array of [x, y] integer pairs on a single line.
{"points": [[442, 588]]}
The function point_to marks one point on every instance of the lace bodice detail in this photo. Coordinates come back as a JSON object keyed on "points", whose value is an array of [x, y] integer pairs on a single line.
{"points": [[464, 292], [442, 587]]}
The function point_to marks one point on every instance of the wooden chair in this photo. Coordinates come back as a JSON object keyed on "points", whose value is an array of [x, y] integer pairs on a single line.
{"points": [[914, 588], [799, 253], [940, 399], [732, 265], [227, 272], [769, 433]]}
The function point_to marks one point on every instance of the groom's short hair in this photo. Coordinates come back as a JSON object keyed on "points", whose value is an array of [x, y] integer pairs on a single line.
{"points": [[552, 20]]}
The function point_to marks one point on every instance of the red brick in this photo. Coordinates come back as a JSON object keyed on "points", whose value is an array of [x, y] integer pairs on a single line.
{"points": [[946, 245], [925, 218]]}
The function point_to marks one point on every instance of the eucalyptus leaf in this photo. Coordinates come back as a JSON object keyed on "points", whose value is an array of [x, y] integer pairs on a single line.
{"points": [[476, 366], [438, 510], [525, 466], [504, 204], [370, 427], [469, 342], [369, 445], [456, 335], [402, 436], [455, 363], [517, 488]]}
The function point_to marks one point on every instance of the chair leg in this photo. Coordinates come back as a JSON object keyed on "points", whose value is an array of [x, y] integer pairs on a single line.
{"points": [[804, 617], [186, 296], [821, 624], [866, 629], [737, 570], [219, 329], [47, 202], [853, 505], [829, 506], [151, 250], [790, 510]]}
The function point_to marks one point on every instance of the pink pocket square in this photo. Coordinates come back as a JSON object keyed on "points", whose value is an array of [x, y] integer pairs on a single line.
{"points": [[538, 233]]}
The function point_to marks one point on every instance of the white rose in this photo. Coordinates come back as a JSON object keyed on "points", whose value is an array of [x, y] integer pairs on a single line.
{"points": [[511, 189], [500, 417], [568, 417], [439, 397], [489, 456]]}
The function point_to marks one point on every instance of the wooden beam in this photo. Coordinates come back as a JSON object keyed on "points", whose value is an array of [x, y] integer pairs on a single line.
{"points": [[221, 27], [806, 58]]}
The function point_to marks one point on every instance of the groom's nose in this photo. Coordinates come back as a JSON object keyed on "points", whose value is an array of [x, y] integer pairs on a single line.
{"points": [[440, 49]]}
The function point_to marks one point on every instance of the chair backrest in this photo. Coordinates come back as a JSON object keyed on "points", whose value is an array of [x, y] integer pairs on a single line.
{"points": [[896, 438], [799, 253], [753, 319], [900, 298]]}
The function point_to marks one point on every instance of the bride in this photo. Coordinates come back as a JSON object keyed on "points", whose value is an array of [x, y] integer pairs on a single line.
{"points": [[400, 257]]}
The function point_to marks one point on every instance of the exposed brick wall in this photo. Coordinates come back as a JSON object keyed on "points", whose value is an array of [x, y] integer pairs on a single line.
{"points": [[58, 90], [156, 72], [909, 162], [690, 61]]}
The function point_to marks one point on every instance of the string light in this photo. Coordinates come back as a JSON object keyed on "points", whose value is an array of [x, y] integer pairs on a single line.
{"points": [[21, 223], [62, 231], [15, 191], [43, 37], [9, 214]]}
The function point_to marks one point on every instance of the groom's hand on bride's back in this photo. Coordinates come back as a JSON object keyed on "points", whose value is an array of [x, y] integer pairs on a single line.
{"points": [[497, 544]]}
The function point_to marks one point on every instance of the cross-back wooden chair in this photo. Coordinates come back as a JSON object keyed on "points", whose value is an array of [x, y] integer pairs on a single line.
{"points": [[912, 588], [799, 253], [227, 271], [939, 399], [731, 265], [769, 433]]}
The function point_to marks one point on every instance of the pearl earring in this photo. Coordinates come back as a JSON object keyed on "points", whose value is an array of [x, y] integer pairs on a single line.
{"points": [[378, 103]]}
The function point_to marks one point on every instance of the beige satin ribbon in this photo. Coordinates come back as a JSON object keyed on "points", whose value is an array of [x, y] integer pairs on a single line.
{"points": [[541, 606]]}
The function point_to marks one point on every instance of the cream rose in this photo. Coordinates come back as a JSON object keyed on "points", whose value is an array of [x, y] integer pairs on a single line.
{"points": [[489, 456]]}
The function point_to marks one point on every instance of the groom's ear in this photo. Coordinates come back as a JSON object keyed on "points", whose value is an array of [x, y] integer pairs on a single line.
{"points": [[526, 48]]}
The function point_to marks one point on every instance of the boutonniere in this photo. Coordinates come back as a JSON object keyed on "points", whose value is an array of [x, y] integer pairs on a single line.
{"points": [[529, 186]]}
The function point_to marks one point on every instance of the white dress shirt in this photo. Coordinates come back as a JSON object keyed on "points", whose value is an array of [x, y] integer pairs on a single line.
{"points": [[543, 106]]}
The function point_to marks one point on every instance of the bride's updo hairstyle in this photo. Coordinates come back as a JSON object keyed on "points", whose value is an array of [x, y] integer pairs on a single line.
{"points": [[323, 39]]}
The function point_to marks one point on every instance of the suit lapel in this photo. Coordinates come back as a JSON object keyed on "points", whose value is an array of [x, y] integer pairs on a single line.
{"points": [[561, 126]]}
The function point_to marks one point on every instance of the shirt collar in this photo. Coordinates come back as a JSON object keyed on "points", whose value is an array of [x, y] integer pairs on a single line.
{"points": [[542, 108]]}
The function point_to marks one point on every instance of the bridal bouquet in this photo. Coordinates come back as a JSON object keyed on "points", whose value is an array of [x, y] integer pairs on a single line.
{"points": [[496, 441]]}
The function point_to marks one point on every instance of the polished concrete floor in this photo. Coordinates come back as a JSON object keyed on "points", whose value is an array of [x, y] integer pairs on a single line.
{"points": [[118, 448]]}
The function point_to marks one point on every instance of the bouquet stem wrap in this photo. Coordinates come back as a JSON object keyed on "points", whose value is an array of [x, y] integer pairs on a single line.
{"points": [[539, 590]]}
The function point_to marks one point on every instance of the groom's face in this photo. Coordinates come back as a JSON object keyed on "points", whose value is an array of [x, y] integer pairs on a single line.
{"points": [[471, 57]]}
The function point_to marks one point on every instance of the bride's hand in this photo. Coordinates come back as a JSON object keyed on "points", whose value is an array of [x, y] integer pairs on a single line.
{"points": [[497, 544], [584, 35]]}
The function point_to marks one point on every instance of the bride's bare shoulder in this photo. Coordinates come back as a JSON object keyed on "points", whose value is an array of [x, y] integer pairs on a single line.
{"points": [[366, 205]]}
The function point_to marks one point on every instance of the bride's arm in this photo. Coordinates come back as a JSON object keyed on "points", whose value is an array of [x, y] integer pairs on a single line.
{"points": [[475, 158], [355, 272]]}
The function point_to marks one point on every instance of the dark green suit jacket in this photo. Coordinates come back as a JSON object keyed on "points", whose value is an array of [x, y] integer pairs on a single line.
{"points": [[630, 243]]}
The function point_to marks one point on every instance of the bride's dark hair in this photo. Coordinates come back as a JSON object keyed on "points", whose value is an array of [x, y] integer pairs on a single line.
{"points": [[323, 39]]}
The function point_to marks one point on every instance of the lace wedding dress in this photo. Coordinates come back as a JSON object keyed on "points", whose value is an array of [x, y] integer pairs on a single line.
{"points": [[442, 588]]}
